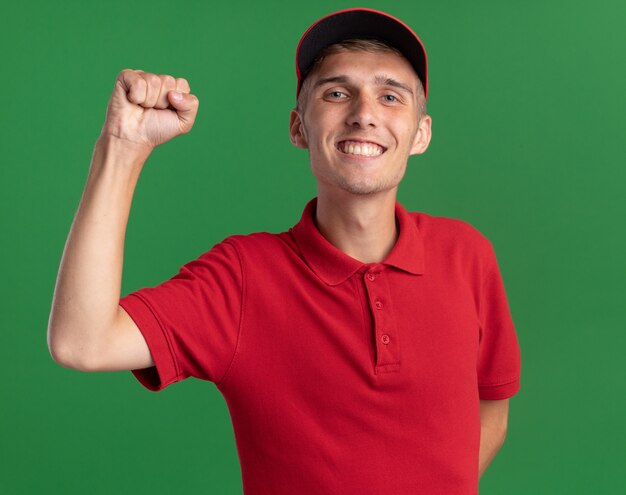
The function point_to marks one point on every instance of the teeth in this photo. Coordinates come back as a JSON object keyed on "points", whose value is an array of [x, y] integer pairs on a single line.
{"points": [[362, 149]]}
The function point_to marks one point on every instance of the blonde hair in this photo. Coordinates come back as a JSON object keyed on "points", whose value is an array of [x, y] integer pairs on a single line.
{"points": [[355, 45]]}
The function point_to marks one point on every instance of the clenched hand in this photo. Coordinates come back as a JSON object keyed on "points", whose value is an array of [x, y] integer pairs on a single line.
{"points": [[149, 109]]}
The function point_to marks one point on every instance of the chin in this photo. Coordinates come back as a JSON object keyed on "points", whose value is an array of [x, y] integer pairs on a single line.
{"points": [[365, 188]]}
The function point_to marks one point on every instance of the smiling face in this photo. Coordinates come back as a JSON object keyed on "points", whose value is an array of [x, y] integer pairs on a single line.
{"points": [[360, 121]]}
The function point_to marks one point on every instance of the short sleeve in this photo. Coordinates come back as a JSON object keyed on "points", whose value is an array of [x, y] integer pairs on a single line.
{"points": [[191, 321], [499, 362]]}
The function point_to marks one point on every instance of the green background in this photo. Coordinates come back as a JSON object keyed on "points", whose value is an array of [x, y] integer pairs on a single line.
{"points": [[528, 103]]}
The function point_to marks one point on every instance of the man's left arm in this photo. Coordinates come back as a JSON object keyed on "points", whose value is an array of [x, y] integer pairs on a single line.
{"points": [[493, 423]]}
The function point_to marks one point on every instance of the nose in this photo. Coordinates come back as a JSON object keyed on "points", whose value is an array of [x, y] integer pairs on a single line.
{"points": [[362, 112]]}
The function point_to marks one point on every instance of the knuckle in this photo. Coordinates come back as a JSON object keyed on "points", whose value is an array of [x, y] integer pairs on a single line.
{"points": [[182, 83], [152, 79], [137, 89], [168, 80], [139, 83]]}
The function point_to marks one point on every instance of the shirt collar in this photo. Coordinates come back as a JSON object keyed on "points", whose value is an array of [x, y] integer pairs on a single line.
{"points": [[334, 266]]}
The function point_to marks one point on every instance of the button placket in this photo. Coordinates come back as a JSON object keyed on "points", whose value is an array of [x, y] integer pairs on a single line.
{"points": [[385, 333]]}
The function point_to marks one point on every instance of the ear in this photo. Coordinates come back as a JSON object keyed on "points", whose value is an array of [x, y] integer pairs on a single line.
{"points": [[422, 138], [296, 130]]}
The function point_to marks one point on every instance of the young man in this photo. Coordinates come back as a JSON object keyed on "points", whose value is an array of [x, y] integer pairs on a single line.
{"points": [[365, 350]]}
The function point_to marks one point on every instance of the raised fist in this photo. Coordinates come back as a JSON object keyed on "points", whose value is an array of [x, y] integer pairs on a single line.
{"points": [[149, 109]]}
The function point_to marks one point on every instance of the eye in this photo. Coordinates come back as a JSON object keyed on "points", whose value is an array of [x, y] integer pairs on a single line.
{"points": [[335, 95], [390, 98]]}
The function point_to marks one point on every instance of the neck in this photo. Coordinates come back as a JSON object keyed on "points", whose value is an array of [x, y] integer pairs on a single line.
{"points": [[363, 227]]}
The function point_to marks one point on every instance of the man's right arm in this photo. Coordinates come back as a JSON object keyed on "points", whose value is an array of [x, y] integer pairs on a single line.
{"points": [[87, 329]]}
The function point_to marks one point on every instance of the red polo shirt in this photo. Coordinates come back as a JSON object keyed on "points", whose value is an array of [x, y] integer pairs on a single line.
{"points": [[342, 377]]}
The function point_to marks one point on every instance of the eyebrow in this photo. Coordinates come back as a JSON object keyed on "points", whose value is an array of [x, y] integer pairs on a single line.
{"points": [[388, 81], [379, 80], [332, 79]]}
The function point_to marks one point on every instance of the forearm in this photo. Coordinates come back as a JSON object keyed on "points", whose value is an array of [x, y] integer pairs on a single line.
{"points": [[491, 439], [493, 425], [88, 286]]}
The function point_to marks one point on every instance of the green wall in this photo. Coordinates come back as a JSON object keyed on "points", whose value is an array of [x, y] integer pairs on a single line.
{"points": [[527, 100]]}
